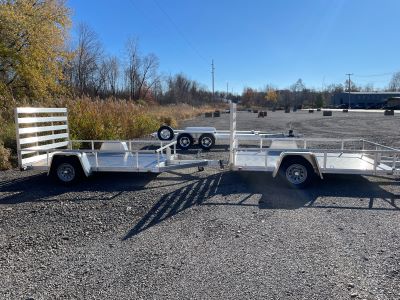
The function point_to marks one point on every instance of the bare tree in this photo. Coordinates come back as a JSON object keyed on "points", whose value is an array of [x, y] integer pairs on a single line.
{"points": [[141, 72], [132, 69], [394, 85], [353, 86], [86, 61], [335, 88], [158, 89], [112, 74], [99, 83], [181, 89], [147, 76], [298, 89], [369, 87]]}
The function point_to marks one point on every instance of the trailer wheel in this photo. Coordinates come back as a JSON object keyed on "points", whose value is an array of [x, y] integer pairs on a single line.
{"points": [[66, 170], [184, 141], [206, 141], [297, 171], [165, 133]]}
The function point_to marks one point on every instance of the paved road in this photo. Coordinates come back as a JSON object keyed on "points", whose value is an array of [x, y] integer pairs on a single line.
{"points": [[206, 235]]}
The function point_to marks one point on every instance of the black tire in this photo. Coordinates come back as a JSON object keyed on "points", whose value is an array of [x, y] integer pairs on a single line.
{"points": [[206, 141], [165, 133], [184, 141], [66, 170], [297, 172]]}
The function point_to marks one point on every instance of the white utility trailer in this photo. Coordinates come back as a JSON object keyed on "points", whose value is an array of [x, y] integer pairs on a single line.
{"points": [[43, 143], [298, 160], [208, 136]]}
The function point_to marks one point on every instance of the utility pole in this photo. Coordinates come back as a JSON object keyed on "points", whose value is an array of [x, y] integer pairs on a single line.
{"points": [[227, 85], [212, 74], [349, 74]]}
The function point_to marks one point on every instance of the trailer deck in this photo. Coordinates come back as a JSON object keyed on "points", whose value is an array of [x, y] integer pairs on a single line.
{"points": [[103, 162], [336, 162]]}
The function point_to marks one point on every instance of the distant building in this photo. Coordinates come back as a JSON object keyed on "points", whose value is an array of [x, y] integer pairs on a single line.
{"points": [[365, 99], [393, 102]]}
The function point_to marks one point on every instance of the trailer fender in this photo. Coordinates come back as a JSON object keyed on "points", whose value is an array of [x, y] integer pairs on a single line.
{"points": [[310, 157], [80, 156]]}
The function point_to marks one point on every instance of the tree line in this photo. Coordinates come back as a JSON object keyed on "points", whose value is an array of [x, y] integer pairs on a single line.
{"points": [[39, 61], [298, 94]]}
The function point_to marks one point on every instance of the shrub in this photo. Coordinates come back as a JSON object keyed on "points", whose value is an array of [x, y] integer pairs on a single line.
{"points": [[7, 136], [119, 119], [141, 125], [5, 157]]}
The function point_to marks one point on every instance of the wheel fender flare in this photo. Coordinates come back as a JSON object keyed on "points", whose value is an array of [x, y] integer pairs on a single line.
{"points": [[310, 157], [82, 157]]}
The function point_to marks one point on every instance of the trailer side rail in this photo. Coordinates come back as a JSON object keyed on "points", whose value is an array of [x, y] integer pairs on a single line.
{"points": [[164, 151]]}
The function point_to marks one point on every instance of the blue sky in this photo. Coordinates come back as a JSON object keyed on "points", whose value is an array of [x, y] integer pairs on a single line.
{"points": [[254, 43]]}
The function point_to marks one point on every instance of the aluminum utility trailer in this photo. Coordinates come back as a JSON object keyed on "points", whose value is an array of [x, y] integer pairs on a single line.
{"points": [[43, 143], [208, 136], [298, 160]]}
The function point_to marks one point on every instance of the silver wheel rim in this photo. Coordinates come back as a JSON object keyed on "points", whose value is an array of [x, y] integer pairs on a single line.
{"points": [[184, 142], [165, 134], [296, 174], [206, 142], [66, 172]]}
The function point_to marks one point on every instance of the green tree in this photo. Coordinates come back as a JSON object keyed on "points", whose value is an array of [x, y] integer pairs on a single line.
{"points": [[32, 48]]}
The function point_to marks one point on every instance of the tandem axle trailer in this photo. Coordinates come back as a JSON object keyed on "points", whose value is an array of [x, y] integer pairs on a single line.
{"points": [[208, 136]]}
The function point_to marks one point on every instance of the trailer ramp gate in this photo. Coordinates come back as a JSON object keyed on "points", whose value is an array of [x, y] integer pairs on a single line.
{"points": [[39, 131]]}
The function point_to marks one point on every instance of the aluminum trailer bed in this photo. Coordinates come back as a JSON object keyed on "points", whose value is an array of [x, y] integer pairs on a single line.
{"points": [[43, 143], [297, 159]]}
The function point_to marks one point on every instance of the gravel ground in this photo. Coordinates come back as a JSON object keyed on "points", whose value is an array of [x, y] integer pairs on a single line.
{"points": [[207, 235]]}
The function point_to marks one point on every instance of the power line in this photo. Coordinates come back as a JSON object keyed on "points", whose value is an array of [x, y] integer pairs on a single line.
{"points": [[145, 14], [153, 23], [376, 75], [366, 80], [179, 31]]}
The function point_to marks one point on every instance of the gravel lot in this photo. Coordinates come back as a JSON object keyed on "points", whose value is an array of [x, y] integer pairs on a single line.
{"points": [[207, 235]]}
